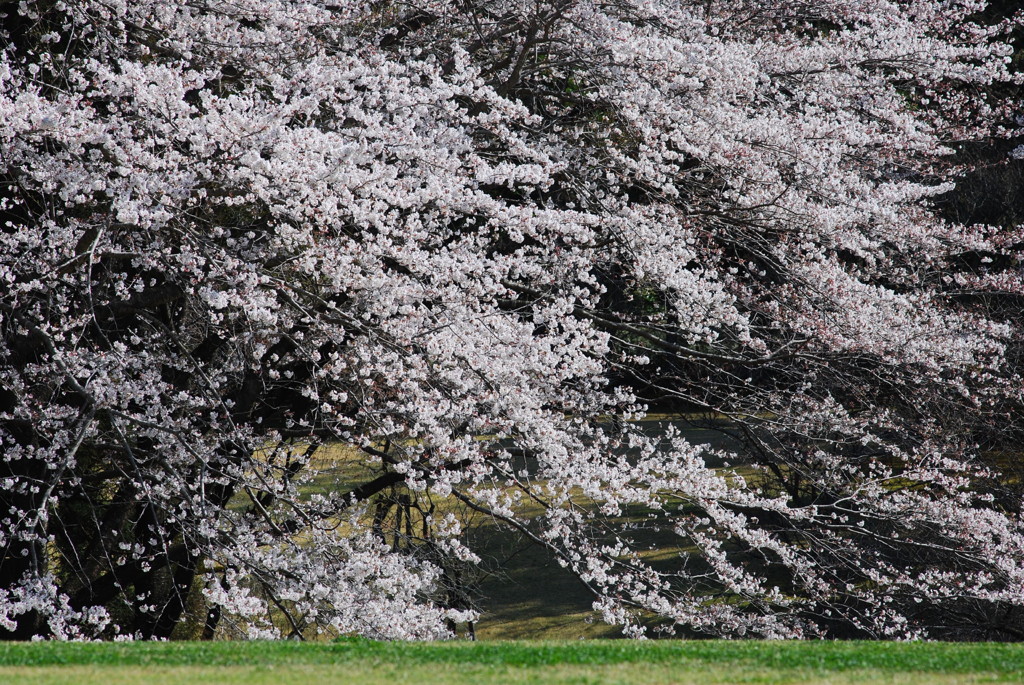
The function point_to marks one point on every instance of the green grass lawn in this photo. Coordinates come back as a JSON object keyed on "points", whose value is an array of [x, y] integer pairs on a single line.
{"points": [[598, 661]]}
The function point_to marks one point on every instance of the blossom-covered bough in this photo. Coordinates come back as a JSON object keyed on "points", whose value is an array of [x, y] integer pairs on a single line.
{"points": [[469, 242]]}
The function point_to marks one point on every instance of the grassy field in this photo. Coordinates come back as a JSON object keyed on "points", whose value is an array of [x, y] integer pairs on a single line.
{"points": [[598, 661]]}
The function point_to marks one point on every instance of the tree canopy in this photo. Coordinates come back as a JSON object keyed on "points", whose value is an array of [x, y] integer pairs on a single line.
{"points": [[469, 243]]}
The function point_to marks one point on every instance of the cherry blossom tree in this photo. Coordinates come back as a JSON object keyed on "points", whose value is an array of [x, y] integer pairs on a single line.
{"points": [[465, 245]]}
